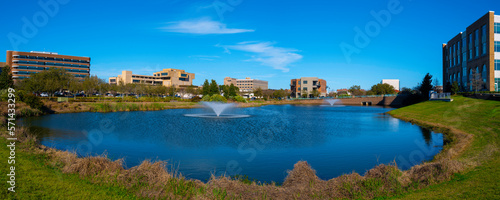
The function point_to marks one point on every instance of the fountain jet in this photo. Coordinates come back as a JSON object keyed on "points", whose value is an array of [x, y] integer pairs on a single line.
{"points": [[218, 107], [331, 101]]}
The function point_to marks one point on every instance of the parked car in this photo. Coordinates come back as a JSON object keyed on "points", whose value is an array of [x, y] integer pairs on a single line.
{"points": [[44, 94]]}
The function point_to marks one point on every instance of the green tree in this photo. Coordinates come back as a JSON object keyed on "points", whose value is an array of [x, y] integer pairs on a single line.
{"points": [[258, 92], [406, 90], [191, 90], [6, 78], [171, 91], [356, 90], [382, 88], [91, 85], [206, 88], [455, 88], [75, 86], [214, 88], [279, 93], [426, 85], [305, 94], [225, 90], [315, 93], [50, 81], [233, 90]]}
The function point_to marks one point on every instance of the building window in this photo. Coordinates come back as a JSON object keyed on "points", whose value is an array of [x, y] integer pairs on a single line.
{"points": [[497, 83], [497, 46], [136, 81], [497, 27], [164, 74], [476, 43], [305, 82], [497, 64], [484, 35], [470, 46]]}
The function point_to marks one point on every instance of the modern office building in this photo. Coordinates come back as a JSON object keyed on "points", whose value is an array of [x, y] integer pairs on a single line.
{"points": [[472, 58], [393, 82], [167, 77], [247, 84], [307, 85], [23, 64]]}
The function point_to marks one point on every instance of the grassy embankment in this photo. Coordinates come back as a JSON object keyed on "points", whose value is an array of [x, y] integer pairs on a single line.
{"points": [[46, 172], [480, 118]]}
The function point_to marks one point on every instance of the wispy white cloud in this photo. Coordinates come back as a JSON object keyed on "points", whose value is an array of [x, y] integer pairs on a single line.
{"points": [[203, 26], [267, 54]]}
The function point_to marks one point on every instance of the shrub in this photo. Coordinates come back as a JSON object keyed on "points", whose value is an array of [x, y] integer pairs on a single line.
{"points": [[206, 98], [218, 97], [239, 98], [33, 101], [196, 99], [28, 112]]}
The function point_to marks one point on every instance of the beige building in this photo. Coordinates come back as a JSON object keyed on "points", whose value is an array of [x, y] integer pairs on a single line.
{"points": [[247, 84], [167, 77]]}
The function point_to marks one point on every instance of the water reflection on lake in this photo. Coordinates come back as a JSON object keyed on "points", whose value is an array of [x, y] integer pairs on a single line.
{"points": [[334, 140]]}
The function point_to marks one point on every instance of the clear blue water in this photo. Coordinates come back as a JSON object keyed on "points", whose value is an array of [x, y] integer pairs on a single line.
{"points": [[334, 140]]}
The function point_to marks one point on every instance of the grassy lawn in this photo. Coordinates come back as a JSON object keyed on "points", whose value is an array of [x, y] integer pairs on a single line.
{"points": [[478, 117], [37, 180]]}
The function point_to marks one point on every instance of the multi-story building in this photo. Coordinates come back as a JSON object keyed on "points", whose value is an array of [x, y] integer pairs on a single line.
{"points": [[306, 85], [23, 64], [393, 82], [167, 77], [472, 58], [247, 84]]}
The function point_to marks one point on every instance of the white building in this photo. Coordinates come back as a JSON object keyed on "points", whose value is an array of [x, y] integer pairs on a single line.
{"points": [[393, 82]]}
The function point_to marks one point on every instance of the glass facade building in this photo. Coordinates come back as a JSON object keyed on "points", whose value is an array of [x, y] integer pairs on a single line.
{"points": [[24, 64], [472, 58]]}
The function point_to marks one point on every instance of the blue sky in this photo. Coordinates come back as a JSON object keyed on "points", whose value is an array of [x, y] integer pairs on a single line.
{"points": [[268, 40]]}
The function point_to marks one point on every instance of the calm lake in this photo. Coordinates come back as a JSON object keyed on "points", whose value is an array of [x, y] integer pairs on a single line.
{"points": [[333, 140]]}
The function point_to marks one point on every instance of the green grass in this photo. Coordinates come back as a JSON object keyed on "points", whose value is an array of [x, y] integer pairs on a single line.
{"points": [[122, 106], [480, 118], [35, 179]]}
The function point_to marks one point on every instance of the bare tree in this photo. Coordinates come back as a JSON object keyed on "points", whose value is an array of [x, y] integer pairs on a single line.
{"points": [[476, 82]]}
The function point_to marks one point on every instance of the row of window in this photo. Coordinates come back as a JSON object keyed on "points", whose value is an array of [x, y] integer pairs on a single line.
{"points": [[497, 46], [457, 52], [497, 64], [50, 58], [47, 68], [469, 76], [139, 81], [497, 27], [50, 63], [28, 73]]}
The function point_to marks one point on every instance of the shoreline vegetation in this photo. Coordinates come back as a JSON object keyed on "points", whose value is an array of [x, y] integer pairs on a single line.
{"points": [[467, 167]]}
